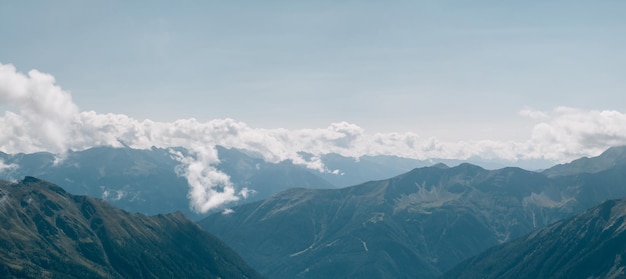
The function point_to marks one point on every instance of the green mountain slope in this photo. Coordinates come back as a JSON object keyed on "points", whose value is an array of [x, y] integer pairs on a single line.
{"points": [[606, 160], [47, 233], [590, 245], [416, 225]]}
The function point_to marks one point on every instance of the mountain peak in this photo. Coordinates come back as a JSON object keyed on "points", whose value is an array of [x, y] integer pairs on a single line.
{"points": [[467, 167], [440, 166], [609, 158], [48, 231], [614, 153], [30, 180]]}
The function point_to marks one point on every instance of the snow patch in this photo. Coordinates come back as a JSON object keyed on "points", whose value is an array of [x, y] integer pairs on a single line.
{"points": [[425, 198], [543, 200], [301, 252], [365, 246], [113, 195], [377, 217]]}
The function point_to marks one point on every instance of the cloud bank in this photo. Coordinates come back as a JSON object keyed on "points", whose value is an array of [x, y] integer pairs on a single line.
{"points": [[43, 117]]}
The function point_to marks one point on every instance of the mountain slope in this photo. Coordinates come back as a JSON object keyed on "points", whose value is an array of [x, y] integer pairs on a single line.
{"points": [[353, 171], [606, 160], [132, 179], [589, 245], [419, 224], [48, 233], [414, 225], [366, 168]]}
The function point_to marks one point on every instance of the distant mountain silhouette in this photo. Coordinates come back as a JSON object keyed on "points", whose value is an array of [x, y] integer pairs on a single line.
{"points": [[416, 225], [48, 233], [135, 180], [590, 245], [353, 171], [266, 178], [145, 181]]}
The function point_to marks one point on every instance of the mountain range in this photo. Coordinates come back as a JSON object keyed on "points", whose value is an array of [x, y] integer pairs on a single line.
{"points": [[146, 181], [47, 233], [300, 223], [590, 245], [416, 225]]}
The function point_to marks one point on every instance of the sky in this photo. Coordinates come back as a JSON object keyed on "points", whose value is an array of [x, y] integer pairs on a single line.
{"points": [[514, 80]]}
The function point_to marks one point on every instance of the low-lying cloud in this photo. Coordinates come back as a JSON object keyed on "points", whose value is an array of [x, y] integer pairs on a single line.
{"points": [[44, 118]]}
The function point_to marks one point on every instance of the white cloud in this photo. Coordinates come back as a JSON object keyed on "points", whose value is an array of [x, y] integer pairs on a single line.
{"points": [[533, 114], [209, 188], [48, 120], [114, 195], [45, 110], [569, 133], [7, 168]]}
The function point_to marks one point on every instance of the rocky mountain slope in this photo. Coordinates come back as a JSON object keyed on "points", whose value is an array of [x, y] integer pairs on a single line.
{"points": [[47, 233], [590, 245], [416, 225]]}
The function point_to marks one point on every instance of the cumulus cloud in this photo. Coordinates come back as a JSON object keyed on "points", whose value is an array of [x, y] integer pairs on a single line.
{"points": [[569, 133], [46, 119], [209, 188], [45, 110]]}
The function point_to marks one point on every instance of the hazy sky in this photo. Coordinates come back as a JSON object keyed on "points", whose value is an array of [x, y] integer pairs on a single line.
{"points": [[455, 70]]}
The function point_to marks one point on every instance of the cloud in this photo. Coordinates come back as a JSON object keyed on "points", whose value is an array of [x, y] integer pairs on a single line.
{"points": [[45, 110], [114, 195], [46, 119], [533, 114], [7, 168], [569, 133], [209, 188]]}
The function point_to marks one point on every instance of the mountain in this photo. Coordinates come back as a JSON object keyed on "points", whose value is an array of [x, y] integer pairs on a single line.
{"points": [[266, 178], [146, 181], [132, 179], [416, 225], [354, 171], [606, 160], [590, 245], [48, 233]]}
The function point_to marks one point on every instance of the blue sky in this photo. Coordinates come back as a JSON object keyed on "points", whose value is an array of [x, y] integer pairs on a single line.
{"points": [[455, 70]]}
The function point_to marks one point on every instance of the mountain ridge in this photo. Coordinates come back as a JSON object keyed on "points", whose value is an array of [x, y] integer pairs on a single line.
{"points": [[591, 244], [48, 233], [430, 218], [607, 159]]}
